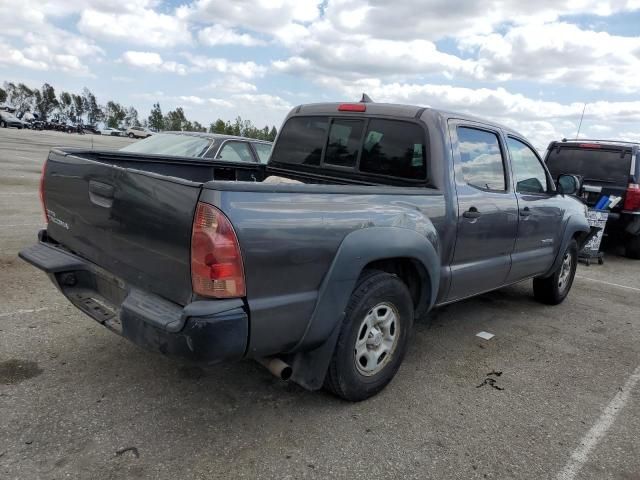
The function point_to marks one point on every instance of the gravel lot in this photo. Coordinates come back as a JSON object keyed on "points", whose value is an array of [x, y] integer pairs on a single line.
{"points": [[73, 395]]}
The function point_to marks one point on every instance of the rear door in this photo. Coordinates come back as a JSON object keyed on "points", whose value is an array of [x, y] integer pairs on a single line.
{"points": [[487, 210], [605, 168], [540, 212]]}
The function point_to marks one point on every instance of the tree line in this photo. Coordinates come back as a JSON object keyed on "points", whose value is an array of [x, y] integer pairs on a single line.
{"points": [[84, 108]]}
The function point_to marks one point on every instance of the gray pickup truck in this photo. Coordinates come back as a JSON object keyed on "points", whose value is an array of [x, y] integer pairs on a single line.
{"points": [[371, 215]]}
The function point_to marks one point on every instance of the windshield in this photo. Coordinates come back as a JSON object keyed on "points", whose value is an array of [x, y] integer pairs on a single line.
{"points": [[171, 144], [593, 164]]}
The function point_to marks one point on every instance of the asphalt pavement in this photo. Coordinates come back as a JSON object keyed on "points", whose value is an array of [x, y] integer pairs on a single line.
{"points": [[555, 394]]}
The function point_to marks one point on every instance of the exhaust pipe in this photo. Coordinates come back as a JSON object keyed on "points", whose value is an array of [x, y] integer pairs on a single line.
{"points": [[277, 367]]}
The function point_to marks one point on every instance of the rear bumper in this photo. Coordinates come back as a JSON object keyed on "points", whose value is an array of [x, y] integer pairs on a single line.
{"points": [[207, 331]]}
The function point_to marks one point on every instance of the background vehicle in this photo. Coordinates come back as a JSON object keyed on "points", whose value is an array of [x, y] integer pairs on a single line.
{"points": [[393, 210], [226, 148], [110, 131], [138, 132], [608, 167], [8, 120]]}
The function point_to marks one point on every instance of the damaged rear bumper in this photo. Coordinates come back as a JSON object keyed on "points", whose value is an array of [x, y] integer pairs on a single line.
{"points": [[204, 331]]}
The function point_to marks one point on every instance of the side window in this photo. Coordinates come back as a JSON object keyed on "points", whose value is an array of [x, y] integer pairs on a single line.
{"points": [[344, 142], [527, 170], [235, 152], [263, 150], [301, 141], [394, 148], [482, 164]]}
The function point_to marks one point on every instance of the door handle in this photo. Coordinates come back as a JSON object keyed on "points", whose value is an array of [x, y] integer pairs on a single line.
{"points": [[525, 212], [471, 213]]}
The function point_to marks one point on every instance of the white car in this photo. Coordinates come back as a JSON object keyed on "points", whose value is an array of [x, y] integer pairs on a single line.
{"points": [[110, 131], [138, 132]]}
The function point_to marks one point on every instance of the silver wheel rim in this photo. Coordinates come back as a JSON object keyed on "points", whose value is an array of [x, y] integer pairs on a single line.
{"points": [[377, 339], [565, 272]]}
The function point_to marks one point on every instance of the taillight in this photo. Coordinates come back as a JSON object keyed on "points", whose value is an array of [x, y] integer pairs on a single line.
{"points": [[352, 107], [42, 202], [632, 197], [216, 262]]}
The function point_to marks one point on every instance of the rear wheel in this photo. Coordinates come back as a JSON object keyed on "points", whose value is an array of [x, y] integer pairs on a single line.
{"points": [[554, 289], [373, 339], [131, 135], [632, 247], [3, 124]]}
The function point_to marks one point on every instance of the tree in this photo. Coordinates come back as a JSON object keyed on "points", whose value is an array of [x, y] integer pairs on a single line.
{"points": [[45, 101], [272, 134], [218, 127], [115, 114], [3, 95], [21, 97], [131, 118], [65, 107], [78, 107], [175, 120], [94, 112], [156, 120]]}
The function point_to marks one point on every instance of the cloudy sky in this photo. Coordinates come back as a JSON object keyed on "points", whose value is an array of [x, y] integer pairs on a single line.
{"points": [[530, 65]]}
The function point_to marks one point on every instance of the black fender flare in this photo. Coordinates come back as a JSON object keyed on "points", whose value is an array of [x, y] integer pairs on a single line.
{"points": [[574, 224], [356, 251]]}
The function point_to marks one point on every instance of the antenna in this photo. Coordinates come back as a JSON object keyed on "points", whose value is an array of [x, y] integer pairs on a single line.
{"points": [[366, 99], [580, 124]]}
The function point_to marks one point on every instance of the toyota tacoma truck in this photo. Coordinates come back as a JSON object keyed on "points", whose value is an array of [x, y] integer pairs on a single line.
{"points": [[369, 216]]}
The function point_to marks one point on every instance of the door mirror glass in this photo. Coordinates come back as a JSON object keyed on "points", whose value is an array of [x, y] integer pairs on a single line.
{"points": [[569, 184]]}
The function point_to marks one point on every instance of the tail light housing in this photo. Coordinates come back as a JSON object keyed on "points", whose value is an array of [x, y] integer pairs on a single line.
{"points": [[632, 197], [216, 261], [41, 191]]}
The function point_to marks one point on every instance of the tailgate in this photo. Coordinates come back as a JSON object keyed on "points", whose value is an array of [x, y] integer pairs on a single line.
{"points": [[606, 170], [132, 223]]}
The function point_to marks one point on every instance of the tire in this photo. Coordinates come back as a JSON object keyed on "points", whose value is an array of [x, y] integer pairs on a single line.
{"points": [[131, 135], [554, 289], [382, 301], [632, 247], [3, 124]]}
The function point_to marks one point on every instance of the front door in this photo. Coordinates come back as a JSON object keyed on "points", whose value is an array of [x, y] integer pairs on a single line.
{"points": [[540, 213], [487, 211]]}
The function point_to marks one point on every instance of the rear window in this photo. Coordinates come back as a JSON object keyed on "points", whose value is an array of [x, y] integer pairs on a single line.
{"points": [[377, 146], [593, 164], [170, 144]]}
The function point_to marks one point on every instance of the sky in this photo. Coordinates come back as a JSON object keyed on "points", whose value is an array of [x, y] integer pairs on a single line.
{"points": [[529, 65]]}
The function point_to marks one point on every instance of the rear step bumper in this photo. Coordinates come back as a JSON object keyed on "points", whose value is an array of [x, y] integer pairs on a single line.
{"points": [[207, 331]]}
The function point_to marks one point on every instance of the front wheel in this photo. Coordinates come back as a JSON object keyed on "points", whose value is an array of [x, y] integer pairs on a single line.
{"points": [[554, 289], [131, 135], [373, 338]]}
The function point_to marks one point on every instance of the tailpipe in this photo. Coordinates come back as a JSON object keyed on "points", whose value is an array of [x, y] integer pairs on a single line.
{"points": [[277, 367]]}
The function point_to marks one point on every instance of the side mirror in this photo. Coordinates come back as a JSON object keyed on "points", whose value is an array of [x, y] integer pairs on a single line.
{"points": [[569, 184]]}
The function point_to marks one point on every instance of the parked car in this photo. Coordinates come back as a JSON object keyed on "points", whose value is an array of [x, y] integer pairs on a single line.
{"points": [[88, 128], [204, 145], [114, 132], [8, 119], [138, 132], [370, 215], [608, 167]]}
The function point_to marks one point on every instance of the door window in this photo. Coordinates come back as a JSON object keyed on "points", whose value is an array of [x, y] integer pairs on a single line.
{"points": [[235, 152], [528, 172], [482, 163], [263, 150]]}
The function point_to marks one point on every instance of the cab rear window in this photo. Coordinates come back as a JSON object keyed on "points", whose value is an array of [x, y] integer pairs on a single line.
{"points": [[390, 148], [608, 165]]}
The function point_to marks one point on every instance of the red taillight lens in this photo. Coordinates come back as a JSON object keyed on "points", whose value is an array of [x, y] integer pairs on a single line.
{"points": [[632, 197], [216, 262], [42, 202], [352, 107]]}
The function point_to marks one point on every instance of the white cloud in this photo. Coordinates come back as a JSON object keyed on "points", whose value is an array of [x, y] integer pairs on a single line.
{"points": [[141, 27], [559, 52], [262, 100], [201, 63], [152, 61], [231, 84], [220, 35]]}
